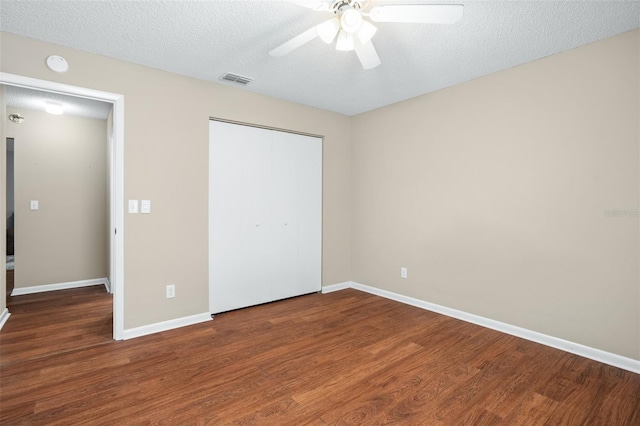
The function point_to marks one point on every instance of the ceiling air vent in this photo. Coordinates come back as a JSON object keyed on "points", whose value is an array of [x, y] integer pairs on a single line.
{"points": [[235, 78]]}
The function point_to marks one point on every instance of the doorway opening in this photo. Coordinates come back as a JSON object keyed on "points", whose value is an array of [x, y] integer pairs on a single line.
{"points": [[115, 172]]}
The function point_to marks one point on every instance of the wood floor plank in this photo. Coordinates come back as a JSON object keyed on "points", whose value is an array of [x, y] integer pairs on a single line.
{"points": [[344, 358]]}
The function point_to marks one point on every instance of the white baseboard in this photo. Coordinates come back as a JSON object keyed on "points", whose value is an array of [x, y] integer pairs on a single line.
{"points": [[107, 285], [4, 316], [336, 287], [599, 355], [166, 325], [19, 291]]}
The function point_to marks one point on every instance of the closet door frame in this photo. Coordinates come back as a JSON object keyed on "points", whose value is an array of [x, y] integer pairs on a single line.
{"points": [[212, 201]]}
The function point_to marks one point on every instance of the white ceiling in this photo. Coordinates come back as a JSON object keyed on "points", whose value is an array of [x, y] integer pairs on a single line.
{"points": [[20, 97], [204, 39]]}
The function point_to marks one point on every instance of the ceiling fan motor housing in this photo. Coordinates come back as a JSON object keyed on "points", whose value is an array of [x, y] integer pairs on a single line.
{"points": [[339, 6]]}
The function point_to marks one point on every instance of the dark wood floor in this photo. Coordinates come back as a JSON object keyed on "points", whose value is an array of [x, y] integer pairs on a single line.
{"points": [[342, 358]]}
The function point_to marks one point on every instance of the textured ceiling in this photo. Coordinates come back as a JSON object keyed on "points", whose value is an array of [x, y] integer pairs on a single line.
{"points": [[205, 39], [19, 97]]}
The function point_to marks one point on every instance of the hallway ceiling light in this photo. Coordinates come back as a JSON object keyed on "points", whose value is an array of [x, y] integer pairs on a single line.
{"points": [[53, 108]]}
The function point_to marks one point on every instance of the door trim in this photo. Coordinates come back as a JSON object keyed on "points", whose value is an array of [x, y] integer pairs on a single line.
{"points": [[116, 166], [259, 126]]}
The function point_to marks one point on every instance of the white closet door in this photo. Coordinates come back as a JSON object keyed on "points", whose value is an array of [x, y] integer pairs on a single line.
{"points": [[240, 218], [309, 206], [285, 198], [265, 223], [257, 217], [225, 216], [297, 166]]}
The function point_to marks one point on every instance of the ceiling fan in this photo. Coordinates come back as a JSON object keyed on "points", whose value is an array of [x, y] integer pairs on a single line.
{"points": [[354, 32]]}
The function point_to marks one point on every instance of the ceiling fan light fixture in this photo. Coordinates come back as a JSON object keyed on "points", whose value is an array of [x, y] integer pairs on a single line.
{"points": [[345, 41], [352, 24], [366, 31], [351, 20], [328, 30]]}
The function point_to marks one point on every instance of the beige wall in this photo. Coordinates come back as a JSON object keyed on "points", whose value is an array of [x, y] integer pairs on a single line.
{"points": [[494, 194], [166, 161], [61, 161]]}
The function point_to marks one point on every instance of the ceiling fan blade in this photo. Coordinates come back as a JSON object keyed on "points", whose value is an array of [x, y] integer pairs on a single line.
{"points": [[313, 4], [294, 43], [367, 54], [418, 13]]}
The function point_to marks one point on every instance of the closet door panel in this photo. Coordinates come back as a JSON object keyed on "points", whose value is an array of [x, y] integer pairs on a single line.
{"points": [[309, 176], [257, 217], [285, 202], [225, 216]]}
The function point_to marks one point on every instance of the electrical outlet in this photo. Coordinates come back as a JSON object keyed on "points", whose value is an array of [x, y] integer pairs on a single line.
{"points": [[403, 272], [171, 291]]}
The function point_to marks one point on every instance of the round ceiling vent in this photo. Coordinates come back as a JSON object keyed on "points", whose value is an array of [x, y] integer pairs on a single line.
{"points": [[16, 118], [57, 63]]}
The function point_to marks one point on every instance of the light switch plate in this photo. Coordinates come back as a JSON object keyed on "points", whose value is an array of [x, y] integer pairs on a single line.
{"points": [[133, 206], [34, 205], [145, 206]]}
